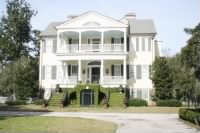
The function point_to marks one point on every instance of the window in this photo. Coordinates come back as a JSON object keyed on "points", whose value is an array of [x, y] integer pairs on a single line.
{"points": [[149, 44], [137, 44], [54, 46], [139, 94], [74, 70], [48, 72], [43, 72], [53, 72], [44, 46], [145, 71], [117, 70], [75, 41], [117, 40], [131, 71], [138, 72], [143, 44]]}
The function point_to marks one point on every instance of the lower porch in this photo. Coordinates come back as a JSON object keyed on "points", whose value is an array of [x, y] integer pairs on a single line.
{"points": [[109, 73]]}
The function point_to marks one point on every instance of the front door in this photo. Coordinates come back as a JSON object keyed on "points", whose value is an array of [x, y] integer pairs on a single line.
{"points": [[95, 74], [87, 97]]}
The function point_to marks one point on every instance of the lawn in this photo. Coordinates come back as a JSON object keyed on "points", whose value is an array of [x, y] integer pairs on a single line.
{"points": [[149, 109], [30, 124]]}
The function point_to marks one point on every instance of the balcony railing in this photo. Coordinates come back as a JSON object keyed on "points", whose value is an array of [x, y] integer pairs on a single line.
{"points": [[113, 79], [73, 48]]}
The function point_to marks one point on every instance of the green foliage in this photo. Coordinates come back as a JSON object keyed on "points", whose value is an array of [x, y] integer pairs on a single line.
{"points": [[17, 102], [137, 102], [169, 103], [191, 115], [162, 79], [94, 87], [15, 31], [20, 78], [38, 102]]}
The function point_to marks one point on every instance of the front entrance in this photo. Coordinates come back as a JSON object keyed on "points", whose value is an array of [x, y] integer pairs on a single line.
{"points": [[95, 74], [87, 97]]}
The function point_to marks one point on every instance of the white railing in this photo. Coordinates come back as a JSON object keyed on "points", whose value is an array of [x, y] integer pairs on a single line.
{"points": [[66, 48], [113, 79], [72, 79], [91, 47], [113, 47]]}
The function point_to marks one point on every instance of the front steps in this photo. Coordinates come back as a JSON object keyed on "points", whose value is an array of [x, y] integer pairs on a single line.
{"points": [[56, 99], [116, 99]]}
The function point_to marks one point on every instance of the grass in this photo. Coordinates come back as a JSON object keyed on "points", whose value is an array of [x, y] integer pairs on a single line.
{"points": [[149, 109], [54, 124]]}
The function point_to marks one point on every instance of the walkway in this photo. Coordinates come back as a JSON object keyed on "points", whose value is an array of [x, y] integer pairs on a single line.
{"points": [[127, 122]]}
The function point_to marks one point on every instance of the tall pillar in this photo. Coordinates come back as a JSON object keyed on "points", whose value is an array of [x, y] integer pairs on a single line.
{"points": [[125, 42], [124, 72], [101, 71], [79, 44], [79, 70], [102, 41]]}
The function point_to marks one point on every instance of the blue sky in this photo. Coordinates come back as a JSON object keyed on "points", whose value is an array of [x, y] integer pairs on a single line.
{"points": [[170, 16]]}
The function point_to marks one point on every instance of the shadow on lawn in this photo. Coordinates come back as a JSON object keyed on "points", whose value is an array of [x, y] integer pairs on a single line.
{"points": [[22, 109]]}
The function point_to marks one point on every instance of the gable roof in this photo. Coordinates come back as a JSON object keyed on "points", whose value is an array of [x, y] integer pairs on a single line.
{"points": [[114, 21], [142, 26], [50, 29]]}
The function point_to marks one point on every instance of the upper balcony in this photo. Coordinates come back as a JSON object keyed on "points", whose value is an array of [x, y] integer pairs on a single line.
{"points": [[70, 42]]}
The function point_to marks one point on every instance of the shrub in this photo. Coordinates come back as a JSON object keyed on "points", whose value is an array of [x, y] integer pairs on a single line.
{"points": [[38, 102], [17, 102], [190, 115], [169, 103], [137, 102]]}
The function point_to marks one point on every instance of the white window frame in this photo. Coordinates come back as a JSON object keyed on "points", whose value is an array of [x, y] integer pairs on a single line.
{"points": [[47, 72], [117, 65], [74, 65]]}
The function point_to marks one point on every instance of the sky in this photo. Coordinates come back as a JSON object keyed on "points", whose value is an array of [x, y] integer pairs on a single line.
{"points": [[170, 16]]}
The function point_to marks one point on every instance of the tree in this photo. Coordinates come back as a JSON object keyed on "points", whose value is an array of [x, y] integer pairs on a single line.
{"points": [[15, 31], [20, 78], [162, 79], [190, 54], [19, 51]]}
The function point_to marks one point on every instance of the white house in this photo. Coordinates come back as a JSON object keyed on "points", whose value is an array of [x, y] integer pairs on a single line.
{"points": [[93, 48]]}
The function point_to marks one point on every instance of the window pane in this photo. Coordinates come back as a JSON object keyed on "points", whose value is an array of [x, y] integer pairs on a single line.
{"points": [[149, 44], [145, 71], [139, 94], [48, 72], [74, 70], [117, 70], [53, 72], [138, 72], [137, 44], [143, 44]]}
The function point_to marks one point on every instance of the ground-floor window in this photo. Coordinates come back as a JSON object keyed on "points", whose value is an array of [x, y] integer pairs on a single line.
{"points": [[141, 93]]}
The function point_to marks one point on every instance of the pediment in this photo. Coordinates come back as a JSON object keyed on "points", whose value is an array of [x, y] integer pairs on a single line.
{"points": [[91, 19]]}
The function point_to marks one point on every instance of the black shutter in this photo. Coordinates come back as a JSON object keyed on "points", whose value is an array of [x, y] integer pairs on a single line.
{"points": [[127, 71], [69, 70], [112, 40], [112, 70], [88, 41], [70, 41], [128, 49], [122, 72], [122, 40]]}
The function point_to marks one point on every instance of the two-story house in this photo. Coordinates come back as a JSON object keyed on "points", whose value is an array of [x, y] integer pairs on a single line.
{"points": [[93, 48]]}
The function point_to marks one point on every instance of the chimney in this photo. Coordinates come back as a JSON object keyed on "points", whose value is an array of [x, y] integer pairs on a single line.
{"points": [[72, 16], [130, 16]]}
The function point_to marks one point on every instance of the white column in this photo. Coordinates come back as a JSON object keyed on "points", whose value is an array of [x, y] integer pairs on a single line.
{"points": [[102, 41], [79, 44], [124, 71], [125, 42], [79, 70], [58, 41], [101, 71]]}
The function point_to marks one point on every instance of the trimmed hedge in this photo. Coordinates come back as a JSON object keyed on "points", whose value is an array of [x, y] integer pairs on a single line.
{"points": [[169, 103], [38, 102], [137, 102], [190, 115], [17, 102]]}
